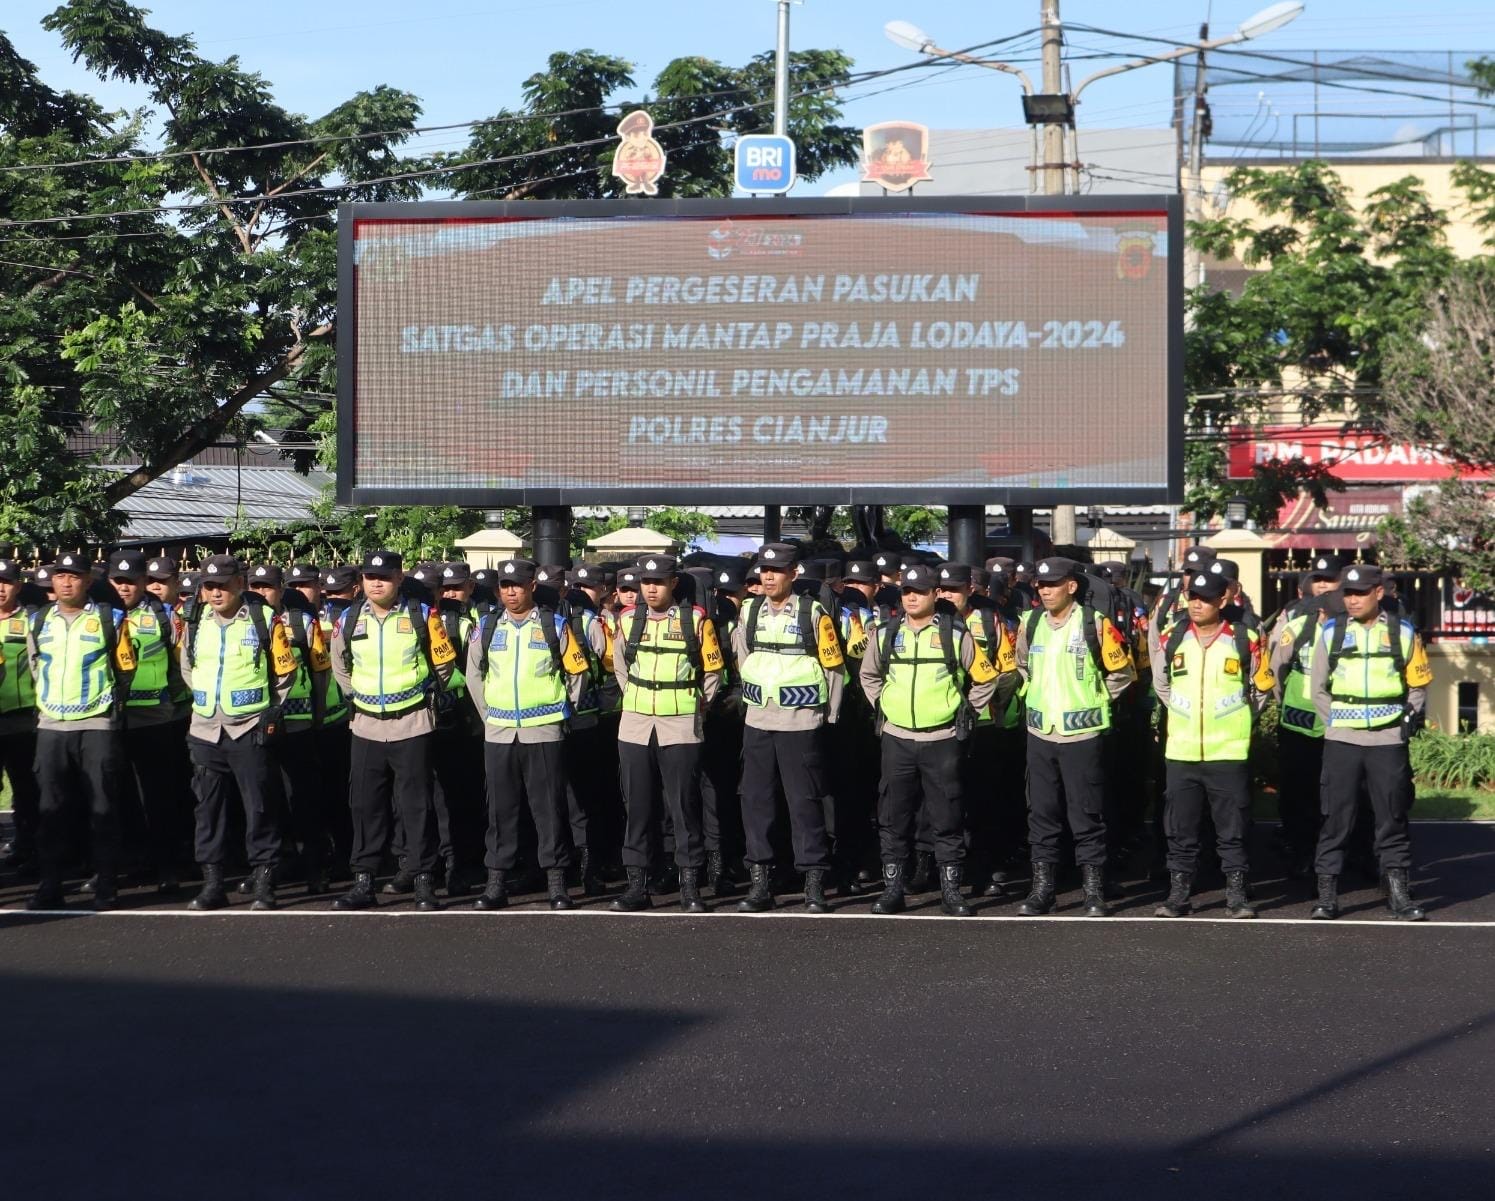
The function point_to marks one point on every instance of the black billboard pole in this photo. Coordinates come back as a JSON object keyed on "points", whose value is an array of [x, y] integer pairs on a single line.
{"points": [[967, 534], [552, 526]]}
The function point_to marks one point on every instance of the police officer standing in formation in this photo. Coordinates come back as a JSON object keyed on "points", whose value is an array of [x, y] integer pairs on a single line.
{"points": [[928, 679], [155, 717], [1074, 663], [393, 658], [525, 673], [1214, 677], [17, 719], [669, 670], [236, 659], [790, 664], [81, 670], [1369, 685]]}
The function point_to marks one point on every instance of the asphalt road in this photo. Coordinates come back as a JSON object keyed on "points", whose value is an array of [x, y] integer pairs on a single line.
{"points": [[309, 1054]]}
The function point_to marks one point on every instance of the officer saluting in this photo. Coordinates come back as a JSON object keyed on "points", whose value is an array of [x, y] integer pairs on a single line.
{"points": [[236, 659], [81, 670], [1214, 678], [791, 667], [669, 668], [926, 714], [392, 657], [1075, 663], [1369, 686], [525, 673]]}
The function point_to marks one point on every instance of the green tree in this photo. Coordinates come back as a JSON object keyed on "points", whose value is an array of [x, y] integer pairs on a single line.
{"points": [[686, 526]]}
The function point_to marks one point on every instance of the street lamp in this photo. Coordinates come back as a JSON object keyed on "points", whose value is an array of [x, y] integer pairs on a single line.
{"points": [[1236, 509]]}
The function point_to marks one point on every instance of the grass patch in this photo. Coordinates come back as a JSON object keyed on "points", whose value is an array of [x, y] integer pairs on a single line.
{"points": [[1434, 802]]}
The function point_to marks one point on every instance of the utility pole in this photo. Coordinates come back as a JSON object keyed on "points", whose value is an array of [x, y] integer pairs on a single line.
{"points": [[1062, 522], [773, 517], [1192, 183]]}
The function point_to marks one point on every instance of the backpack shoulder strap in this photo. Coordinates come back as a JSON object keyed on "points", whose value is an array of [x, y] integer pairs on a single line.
{"points": [[750, 626], [885, 648], [422, 635], [348, 622], [635, 633], [39, 621], [1176, 637], [1394, 627], [808, 634], [1092, 637], [949, 630], [692, 635], [1034, 617], [547, 620], [1242, 633], [1336, 643], [1304, 639], [486, 625], [262, 636]]}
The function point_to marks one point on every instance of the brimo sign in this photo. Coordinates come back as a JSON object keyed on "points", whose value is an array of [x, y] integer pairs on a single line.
{"points": [[764, 163]]}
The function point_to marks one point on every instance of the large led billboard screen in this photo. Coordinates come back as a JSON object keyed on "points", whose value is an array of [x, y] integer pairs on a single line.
{"points": [[944, 350]]}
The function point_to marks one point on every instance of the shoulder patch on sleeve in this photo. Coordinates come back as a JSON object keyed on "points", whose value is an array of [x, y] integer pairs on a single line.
{"points": [[1419, 670], [1113, 649], [711, 651], [828, 649]]}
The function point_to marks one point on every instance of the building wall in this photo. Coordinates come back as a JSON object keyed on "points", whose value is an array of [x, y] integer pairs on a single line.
{"points": [[1456, 663]]}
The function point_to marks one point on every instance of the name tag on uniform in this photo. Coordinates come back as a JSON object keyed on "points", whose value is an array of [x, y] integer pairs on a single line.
{"points": [[18, 625], [898, 641], [673, 629], [360, 630], [403, 626], [91, 625], [1232, 667], [537, 636], [145, 621], [500, 639]]}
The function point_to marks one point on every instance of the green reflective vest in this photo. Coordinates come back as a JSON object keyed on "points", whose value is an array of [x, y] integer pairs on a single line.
{"points": [[229, 672], [1209, 702], [661, 679], [591, 692], [1066, 692], [1298, 712], [990, 643], [300, 712], [1367, 689], [74, 679], [778, 672], [16, 689], [919, 693], [390, 672], [523, 686], [154, 644]]}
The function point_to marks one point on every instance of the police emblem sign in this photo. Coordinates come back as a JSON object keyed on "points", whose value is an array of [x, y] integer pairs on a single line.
{"points": [[764, 163]]}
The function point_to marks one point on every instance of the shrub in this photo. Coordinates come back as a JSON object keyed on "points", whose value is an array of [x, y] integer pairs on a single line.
{"points": [[1454, 760]]}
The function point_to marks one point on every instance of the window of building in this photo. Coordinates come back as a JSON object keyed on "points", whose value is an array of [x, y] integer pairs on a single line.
{"points": [[1468, 707]]}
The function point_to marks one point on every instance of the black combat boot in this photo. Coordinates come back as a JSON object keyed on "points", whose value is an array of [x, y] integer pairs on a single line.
{"points": [[690, 891], [1399, 897], [951, 901], [636, 895], [891, 900], [401, 884], [721, 882], [212, 895], [424, 888], [1327, 908], [264, 888], [848, 881], [555, 887], [361, 895], [1093, 877], [496, 894], [1041, 899], [760, 892], [48, 894], [921, 879], [1180, 887], [1237, 901], [591, 882], [666, 880], [815, 900]]}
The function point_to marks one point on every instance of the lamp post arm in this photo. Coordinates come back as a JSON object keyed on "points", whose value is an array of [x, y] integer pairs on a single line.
{"points": [[1181, 52], [991, 64]]}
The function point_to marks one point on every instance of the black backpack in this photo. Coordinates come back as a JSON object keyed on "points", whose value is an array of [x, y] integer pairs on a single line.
{"points": [[1087, 622], [805, 619], [547, 626]]}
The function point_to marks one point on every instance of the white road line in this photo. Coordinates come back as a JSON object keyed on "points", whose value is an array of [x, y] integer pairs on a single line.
{"points": [[726, 914]]}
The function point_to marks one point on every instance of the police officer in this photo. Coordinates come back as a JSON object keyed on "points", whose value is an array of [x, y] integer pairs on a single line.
{"points": [[1213, 676], [722, 753], [81, 672], [155, 717], [336, 589], [17, 718], [792, 667], [926, 715], [588, 792], [392, 657], [1074, 662], [1369, 684], [458, 746], [1300, 730], [669, 670], [297, 753], [525, 671], [236, 658], [163, 581]]}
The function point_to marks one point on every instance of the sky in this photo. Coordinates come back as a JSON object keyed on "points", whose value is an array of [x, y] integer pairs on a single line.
{"points": [[466, 60]]}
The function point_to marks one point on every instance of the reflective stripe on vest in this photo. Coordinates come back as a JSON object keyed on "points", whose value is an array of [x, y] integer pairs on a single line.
{"points": [[919, 692], [229, 673], [1366, 691], [73, 678], [17, 691], [523, 687], [661, 680], [390, 674], [778, 673], [1209, 710], [1066, 694]]}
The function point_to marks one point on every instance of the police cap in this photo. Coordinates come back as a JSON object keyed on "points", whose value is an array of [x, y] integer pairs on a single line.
{"points": [[628, 578], [517, 571], [954, 575], [189, 581], [127, 565], [586, 575], [730, 577], [919, 577], [266, 575], [303, 573], [161, 568], [655, 567], [863, 571], [1227, 569], [777, 556], [1198, 556], [340, 579], [888, 564], [1362, 577], [813, 570], [219, 569], [1207, 585], [383, 564], [980, 577], [1325, 567], [455, 574], [10, 571], [70, 564], [1053, 570]]}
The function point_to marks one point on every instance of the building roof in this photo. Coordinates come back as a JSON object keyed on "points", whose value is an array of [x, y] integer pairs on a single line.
{"points": [[214, 502]]}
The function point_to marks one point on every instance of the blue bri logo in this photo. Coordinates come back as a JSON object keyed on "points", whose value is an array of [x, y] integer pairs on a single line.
{"points": [[765, 163]]}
